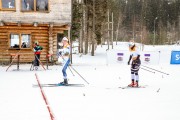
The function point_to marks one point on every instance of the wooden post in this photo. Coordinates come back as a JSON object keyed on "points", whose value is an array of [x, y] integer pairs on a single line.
{"points": [[71, 29], [51, 49], [108, 30]]}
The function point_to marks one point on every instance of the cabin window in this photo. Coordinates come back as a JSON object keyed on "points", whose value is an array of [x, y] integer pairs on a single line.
{"points": [[20, 41], [14, 41], [35, 5], [42, 5], [7, 5], [27, 5], [25, 40]]}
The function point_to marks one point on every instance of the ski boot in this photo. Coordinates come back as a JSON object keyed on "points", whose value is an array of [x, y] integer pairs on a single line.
{"points": [[136, 84], [132, 84], [65, 82], [36, 67]]}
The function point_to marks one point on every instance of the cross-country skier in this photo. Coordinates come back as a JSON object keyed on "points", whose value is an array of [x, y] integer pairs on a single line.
{"points": [[135, 64], [65, 54], [37, 52]]}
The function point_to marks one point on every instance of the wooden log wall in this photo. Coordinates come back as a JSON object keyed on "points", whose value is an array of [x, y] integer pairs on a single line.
{"points": [[42, 34], [54, 36]]}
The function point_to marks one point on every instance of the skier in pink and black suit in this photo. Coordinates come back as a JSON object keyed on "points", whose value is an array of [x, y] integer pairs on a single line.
{"points": [[135, 64]]}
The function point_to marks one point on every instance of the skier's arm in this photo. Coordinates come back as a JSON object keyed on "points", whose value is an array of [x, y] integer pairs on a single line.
{"points": [[137, 61], [35, 49], [59, 53], [138, 57], [129, 59]]}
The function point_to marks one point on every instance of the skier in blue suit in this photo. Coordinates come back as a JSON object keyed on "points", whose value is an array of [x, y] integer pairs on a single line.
{"points": [[65, 54]]}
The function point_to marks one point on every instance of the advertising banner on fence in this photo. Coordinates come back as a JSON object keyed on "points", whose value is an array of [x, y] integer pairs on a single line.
{"points": [[175, 57], [122, 57]]}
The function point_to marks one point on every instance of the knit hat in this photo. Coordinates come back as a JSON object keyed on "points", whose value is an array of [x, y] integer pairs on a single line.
{"points": [[65, 39], [36, 42], [131, 44]]}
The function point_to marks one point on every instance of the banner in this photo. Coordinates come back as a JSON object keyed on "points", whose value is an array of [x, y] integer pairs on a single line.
{"points": [[150, 57], [122, 57], [175, 57]]}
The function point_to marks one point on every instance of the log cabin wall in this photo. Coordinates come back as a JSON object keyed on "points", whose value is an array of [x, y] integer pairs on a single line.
{"points": [[42, 26], [39, 34], [45, 35]]}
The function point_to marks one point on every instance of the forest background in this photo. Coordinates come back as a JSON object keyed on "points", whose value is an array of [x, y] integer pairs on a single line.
{"points": [[95, 22]]}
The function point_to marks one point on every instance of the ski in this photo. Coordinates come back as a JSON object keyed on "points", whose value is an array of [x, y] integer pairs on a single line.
{"points": [[128, 87], [59, 85], [76, 85]]}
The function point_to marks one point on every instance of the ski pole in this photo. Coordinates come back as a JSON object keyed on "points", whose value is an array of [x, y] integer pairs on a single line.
{"points": [[147, 70], [80, 75], [32, 66], [40, 62], [155, 70], [71, 71], [76, 71]]}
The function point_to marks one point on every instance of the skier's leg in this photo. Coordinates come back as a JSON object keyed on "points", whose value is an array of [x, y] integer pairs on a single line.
{"points": [[137, 79], [35, 61], [38, 58], [137, 76], [64, 71], [132, 75], [132, 79]]}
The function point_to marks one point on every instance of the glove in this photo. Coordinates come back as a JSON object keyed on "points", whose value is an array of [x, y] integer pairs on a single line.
{"points": [[59, 53]]}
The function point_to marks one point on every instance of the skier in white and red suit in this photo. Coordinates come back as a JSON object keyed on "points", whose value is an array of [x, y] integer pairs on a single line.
{"points": [[135, 64]]}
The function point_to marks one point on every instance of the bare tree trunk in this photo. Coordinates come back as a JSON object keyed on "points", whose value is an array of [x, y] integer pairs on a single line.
{"points": [[93, 31], [80, 42], [103, 35], [117, 31], [134, 26], [108, 31], [82, 29], [86, 28], [112, 30]]}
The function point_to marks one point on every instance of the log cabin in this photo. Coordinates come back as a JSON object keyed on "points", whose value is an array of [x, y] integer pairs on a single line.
{"points": [[24, 22]]}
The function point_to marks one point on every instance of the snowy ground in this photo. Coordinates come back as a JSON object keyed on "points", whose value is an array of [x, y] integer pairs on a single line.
{"points": [[102, 99]]}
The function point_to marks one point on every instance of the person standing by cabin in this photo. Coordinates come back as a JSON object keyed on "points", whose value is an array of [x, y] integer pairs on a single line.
{"points": [[135, 64], [23, 45], [37, 53], [64, 53]]}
